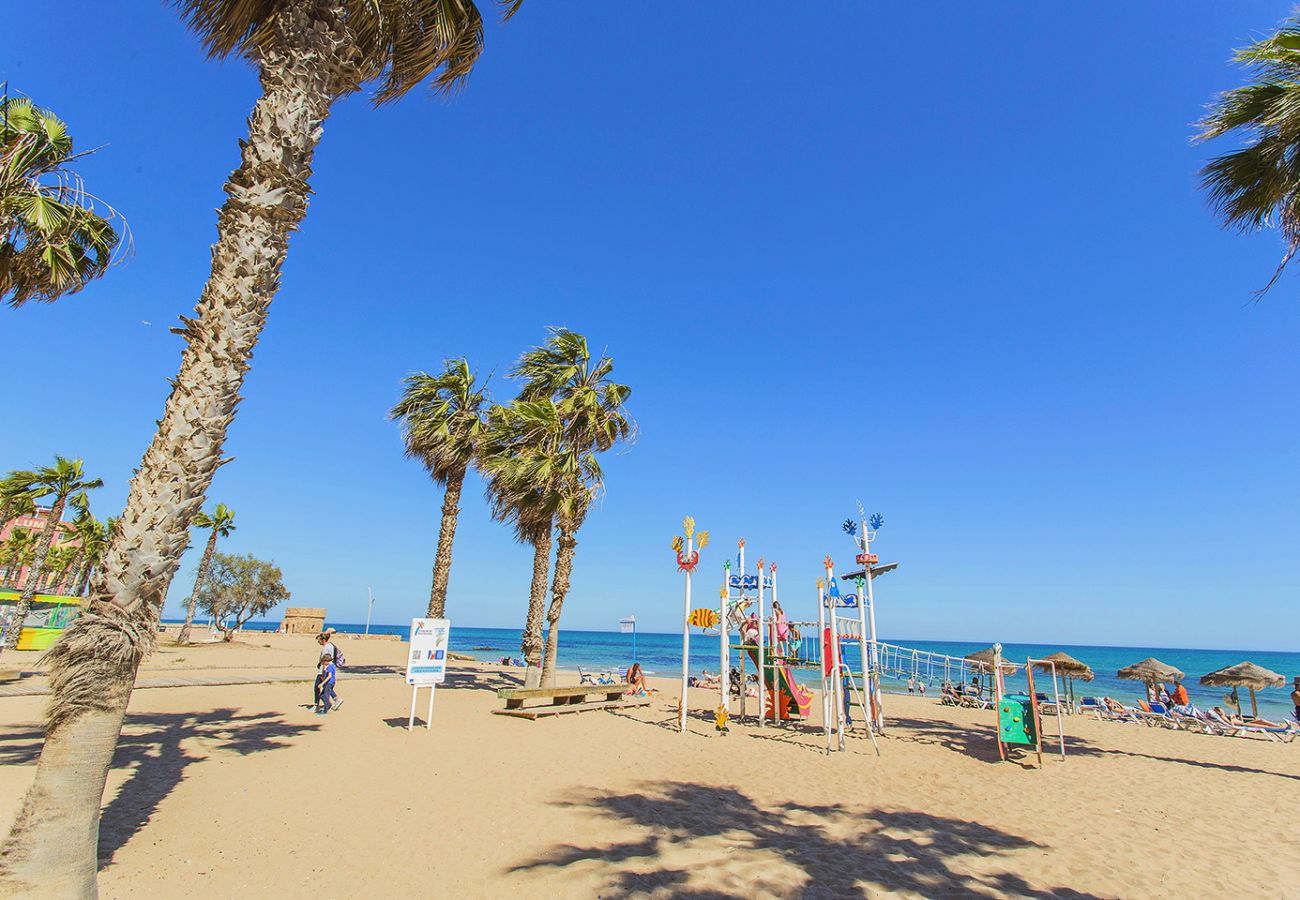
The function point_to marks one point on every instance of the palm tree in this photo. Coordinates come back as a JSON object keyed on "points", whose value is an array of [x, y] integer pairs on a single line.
{"points": [[442, 418], [15, 496], [53, 241], [222, 522], [1258, 186], [573, 411], [519, 497], [93, 539], [66, 483], [17, 554], [308, 55]]}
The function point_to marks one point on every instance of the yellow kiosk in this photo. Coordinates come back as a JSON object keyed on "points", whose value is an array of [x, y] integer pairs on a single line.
{"points": [[49, 614]]}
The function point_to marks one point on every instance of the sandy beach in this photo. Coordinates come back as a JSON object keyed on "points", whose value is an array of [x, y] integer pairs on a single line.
{"points": [[240, 790]]}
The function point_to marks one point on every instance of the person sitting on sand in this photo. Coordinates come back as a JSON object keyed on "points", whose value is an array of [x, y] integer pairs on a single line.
{"points": [[636, 685], [709, 680]]}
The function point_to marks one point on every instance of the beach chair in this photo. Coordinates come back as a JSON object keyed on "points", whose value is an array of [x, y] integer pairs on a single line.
{"points": [[1273, 731], [1092, 705], [585, 677], [1151, 713], [1195, 724], [1124, 714]]}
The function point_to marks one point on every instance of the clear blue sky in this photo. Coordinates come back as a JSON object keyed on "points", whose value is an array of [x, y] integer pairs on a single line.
{"points": [[949, 260]]}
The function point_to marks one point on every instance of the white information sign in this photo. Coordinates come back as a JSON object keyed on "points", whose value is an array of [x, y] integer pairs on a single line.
{"points": [[426, 663]]}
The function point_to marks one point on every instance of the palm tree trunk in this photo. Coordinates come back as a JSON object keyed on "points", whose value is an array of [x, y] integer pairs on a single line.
{"points": [[532, 643], [184, 636], [559, 590], [51, 849], [35, 573], [446, 535]]}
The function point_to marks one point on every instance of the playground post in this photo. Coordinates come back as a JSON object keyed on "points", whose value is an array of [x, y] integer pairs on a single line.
{"points": [[686, 564]]}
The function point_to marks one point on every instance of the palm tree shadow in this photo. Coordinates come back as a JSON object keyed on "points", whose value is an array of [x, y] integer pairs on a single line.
{"points": [[157, 748], [832, 850]]}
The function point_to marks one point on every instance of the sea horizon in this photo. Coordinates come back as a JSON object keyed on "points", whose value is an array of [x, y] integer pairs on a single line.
{"points": [[660, 654]]}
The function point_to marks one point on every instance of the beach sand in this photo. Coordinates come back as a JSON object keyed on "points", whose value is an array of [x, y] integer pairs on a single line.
{"points": [[238, 790]]}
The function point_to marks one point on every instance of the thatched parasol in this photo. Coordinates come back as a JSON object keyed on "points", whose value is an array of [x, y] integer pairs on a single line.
{"points": [[1247, 675], [985, 659], [1068, 666], [1150, 671]]}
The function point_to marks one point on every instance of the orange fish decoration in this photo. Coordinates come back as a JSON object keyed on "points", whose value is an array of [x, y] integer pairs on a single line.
{"points": [[703, 617]]}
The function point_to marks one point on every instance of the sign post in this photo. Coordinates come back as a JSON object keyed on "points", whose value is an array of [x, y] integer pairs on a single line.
{"points": [[628, 626], [426, 666]]}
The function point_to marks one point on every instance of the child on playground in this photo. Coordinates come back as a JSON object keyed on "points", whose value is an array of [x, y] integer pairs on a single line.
{"points": [[328, 675]]}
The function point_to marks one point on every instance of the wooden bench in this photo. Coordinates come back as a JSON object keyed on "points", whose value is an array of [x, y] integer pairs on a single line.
{"points": [[566, 700]]}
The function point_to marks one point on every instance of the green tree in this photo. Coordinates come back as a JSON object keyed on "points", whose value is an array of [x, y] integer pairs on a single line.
{"points": [[442, 423], [586, 416], [237, 589], [16, 496], [221, 522], [16, 554], [53, 240], [64, 484], [93, 539], [308, 54], [1258, 186], [521, 496]]}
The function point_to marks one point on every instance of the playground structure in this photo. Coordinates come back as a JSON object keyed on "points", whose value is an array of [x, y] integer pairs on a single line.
{"points": [[1020, 716], [850, 660]]}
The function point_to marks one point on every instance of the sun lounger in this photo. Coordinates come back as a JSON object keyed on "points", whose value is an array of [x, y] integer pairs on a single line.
{"points": [[1155, 714], [1274, 731]]}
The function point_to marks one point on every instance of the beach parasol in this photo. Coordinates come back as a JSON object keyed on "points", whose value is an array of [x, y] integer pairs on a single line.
{"points": [[1247, 675], [1068, 666], [985, 659], [1150, 670]]}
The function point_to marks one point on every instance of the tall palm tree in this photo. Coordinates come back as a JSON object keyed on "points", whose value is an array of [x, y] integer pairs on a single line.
{"points": [[1258, 186], [518, 496], [591, 419], [221, 522], [442, 421], [308, 54], [66, 484], [577, 412], [53, 240]]}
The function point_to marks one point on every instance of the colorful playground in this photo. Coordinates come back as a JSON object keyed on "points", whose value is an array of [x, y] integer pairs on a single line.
{"points": [[763, 651]]}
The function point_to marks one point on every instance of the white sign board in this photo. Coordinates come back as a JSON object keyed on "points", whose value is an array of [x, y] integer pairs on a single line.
{"points": [[628, 625], [427, 662]]}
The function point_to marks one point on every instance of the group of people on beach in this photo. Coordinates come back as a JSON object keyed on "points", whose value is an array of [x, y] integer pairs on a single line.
{"points": [[324, 697]]}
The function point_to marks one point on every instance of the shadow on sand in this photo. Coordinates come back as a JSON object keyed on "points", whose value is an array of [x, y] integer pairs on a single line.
{"points": [[833, 850], [158, 748]]}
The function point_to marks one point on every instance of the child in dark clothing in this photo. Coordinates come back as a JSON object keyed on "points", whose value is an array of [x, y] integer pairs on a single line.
{"points": [[328, 674]]}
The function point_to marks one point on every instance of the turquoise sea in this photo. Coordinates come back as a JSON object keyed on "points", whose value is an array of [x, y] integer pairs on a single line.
{"points": [[661, 654]]}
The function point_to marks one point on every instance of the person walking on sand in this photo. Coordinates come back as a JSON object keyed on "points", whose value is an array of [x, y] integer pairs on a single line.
{"points": [[328, 675], [1295, 698], [327, 648]]}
